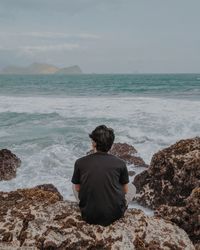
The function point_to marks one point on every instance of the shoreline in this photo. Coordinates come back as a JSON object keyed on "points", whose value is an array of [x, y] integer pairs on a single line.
{"points": [[158, 186]]}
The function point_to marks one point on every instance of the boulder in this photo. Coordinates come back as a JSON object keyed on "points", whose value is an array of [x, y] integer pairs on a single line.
{"points": [[9, 163], [38, 219], [173, 173], [131, 173], [50, 188], [186, 217], [128, 153]]}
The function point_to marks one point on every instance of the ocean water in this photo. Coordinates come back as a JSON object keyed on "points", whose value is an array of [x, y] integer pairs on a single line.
{"points": [[45, 120]]}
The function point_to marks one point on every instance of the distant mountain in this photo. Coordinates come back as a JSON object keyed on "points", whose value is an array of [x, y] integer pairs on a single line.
{"points": [[70, 70], [40, 68]]}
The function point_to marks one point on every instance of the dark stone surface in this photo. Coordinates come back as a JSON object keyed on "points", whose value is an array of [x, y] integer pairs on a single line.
{"points": [[50, 188], [128, 153], [37, 218], [171, 185], [9, 163], [131, 173], [186, 217], [173, 173]]}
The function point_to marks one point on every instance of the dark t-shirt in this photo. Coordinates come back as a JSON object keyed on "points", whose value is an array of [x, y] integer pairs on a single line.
{"points": [[101, 176]]}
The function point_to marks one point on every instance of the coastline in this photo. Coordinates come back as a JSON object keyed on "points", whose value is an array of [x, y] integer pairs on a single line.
{"points": [[151, 196]]}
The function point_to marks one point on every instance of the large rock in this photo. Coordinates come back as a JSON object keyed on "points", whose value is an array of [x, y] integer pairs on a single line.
{"points": [[171, 185], [50, 188], [173, 173], [9, 163], [187, 217], [38, 219], [127, 153]]}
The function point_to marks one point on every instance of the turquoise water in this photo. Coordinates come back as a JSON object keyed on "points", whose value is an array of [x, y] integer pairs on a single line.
{"points": [[45, 120], [181, 86]]}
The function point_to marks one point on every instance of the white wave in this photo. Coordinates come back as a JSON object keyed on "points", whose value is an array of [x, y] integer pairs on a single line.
{"points": [[3, 133], [148, 123], [96, 106], [53, 164]]}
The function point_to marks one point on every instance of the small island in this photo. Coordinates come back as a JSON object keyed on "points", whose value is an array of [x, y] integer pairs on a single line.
{"points": [[41, 68]]}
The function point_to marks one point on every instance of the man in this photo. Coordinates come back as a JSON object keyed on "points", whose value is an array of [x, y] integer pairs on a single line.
{"points": [[101, 180]]}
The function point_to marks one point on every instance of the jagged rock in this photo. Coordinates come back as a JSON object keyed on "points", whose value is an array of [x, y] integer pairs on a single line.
{"points": [[50, 188], [173, 173], [197, 246], [131, 173], [38, 219], [9, 163], [127, 153], [187, 216], [171, 184]]}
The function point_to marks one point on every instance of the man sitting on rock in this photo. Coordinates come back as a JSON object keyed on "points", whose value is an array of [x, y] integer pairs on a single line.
{"points": [[101, 181]]}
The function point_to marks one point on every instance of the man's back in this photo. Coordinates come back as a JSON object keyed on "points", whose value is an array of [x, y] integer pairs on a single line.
{"points": [[101, 176]]}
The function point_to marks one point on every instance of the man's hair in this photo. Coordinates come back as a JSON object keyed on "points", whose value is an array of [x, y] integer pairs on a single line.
{"points": [[104, 138]]}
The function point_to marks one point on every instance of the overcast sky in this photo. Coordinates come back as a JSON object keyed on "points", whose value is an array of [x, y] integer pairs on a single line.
{"points": [[102, 36]]}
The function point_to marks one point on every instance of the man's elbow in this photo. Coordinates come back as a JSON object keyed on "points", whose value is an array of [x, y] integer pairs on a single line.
{"points": [[77, 187], [125, 188]]}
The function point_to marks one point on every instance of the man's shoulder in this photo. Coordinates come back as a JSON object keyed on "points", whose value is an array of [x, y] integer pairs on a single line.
{"points": [[83, 158], [111, 157], [116, 158]]}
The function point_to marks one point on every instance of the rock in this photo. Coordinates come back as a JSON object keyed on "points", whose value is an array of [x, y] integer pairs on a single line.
{"points": [[131, 173], [9, 163], [38, 219], [197, 246], [187, 216], [171, 185], [173, 173], [127, 153], [121, 149], [50, 188]]}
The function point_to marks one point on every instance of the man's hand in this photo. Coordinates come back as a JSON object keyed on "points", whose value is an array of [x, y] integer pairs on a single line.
{"points": [[77, 187], [125, 188]]}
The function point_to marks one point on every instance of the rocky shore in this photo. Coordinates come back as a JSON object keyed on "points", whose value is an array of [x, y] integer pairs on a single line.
{"points": [[9, 163], [171, 186], [39, 218]]}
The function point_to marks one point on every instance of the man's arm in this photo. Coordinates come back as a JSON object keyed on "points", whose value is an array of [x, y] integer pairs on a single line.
{"points": [[124, 178], [77, 187], [76, 176], [125, 188]]}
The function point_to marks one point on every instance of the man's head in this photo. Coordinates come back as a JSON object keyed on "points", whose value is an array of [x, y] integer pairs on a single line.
{"points": [[103, 138]]}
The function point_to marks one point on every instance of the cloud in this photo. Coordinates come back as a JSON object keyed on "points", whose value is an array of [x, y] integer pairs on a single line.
{"points": [[43, 48], [67, 6], [57, 47], [61, 35], [50, 35]]}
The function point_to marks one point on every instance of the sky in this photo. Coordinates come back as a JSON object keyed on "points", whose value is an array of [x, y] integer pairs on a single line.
{"points": [[102, 36]]}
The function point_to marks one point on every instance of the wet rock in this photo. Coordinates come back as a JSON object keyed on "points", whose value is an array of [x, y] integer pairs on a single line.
{"points": [[171, 185], [173, 173], [50, 188], [127, 153], [131, 173], [9, 163], [186, 217], [38, 219], [197, 246]]}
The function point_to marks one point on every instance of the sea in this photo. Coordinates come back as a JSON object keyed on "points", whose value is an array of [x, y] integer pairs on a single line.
{"points": [[45, 119]]}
